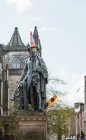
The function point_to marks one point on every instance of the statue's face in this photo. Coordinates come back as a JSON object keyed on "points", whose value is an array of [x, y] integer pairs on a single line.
{"points": [[34, 51]]}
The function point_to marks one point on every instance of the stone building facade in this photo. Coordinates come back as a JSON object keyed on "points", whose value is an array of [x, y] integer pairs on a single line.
{"points": [[85, 105], [79, 120], [12, 59]]}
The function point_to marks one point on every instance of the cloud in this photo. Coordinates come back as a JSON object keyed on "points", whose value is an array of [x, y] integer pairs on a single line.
{"points": [[75, 76], [37, 19], [21, 5], [48, 29], [76, 92], [62, 72]]}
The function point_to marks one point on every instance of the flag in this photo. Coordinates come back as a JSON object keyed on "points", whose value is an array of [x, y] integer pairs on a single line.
{"points": [[50, 101]]}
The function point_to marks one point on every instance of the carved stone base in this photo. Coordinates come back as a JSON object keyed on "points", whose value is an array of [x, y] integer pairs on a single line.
{"points": [[31, 126]]}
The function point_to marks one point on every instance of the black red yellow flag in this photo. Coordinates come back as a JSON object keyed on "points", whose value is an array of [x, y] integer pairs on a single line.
{"points": [[50, 101]]}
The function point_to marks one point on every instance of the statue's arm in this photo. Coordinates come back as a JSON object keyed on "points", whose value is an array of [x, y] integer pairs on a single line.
{"points": [[44, 69]]}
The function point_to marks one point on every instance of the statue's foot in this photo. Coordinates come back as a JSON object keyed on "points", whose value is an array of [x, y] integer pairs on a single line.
{"points": [[21, 110], [32, 109], [40, 110]]}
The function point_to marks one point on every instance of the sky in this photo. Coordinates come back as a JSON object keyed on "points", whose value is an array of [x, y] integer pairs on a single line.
{"points": [[62, 30]]}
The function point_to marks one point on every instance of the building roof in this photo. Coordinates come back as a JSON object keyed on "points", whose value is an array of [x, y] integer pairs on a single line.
{"points": [[35, 35], [36, 38], [16, 43], [16, 39]]}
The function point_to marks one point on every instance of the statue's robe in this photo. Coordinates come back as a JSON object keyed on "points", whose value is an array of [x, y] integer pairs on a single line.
{"points": [[35, 74]]}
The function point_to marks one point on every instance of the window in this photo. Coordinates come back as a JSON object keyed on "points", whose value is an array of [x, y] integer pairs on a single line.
{"points": [[16, 63]]}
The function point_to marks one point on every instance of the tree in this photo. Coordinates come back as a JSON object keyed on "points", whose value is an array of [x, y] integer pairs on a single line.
{"points": [[58, 120], [59, 114], [55, 87]]}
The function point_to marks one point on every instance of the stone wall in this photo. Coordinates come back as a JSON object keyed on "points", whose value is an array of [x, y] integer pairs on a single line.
{"points": [[15, 62], [72, 125], [31, 126]]}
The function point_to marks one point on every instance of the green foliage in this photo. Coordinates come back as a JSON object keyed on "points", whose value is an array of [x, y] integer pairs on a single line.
{"points": [[58, 119], [8, 125], [52, 87], [59, 114]]}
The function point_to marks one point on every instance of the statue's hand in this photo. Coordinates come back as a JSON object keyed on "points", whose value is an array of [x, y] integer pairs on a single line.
{"points": [[21, 83], [34, 69], [38, 69]]}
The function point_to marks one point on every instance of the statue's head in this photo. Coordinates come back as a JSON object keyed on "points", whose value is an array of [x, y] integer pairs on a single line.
{"points": [[33, 48], [34, 51]]}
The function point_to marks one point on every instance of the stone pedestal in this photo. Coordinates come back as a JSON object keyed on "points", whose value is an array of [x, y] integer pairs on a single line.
{"points": [[31, 126]]}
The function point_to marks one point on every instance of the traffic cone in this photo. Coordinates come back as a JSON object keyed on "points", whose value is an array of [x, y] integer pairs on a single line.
{"points": [[32, 42]]}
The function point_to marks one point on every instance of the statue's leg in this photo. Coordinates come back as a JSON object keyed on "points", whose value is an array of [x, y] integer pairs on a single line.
{"points": [[39, 99], [43, 92], [31, 96], [21, 103], [43, 101], [25, 96]]}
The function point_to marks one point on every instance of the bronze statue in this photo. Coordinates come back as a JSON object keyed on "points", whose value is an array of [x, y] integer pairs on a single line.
{"points": [[33, 81]]}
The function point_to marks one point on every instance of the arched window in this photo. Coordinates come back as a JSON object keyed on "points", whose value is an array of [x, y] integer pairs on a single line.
{"points": [[16, 63]]}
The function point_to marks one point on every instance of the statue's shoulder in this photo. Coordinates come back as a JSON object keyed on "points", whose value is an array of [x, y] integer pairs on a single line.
{"points": [[41, 59], [27, 59]]}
